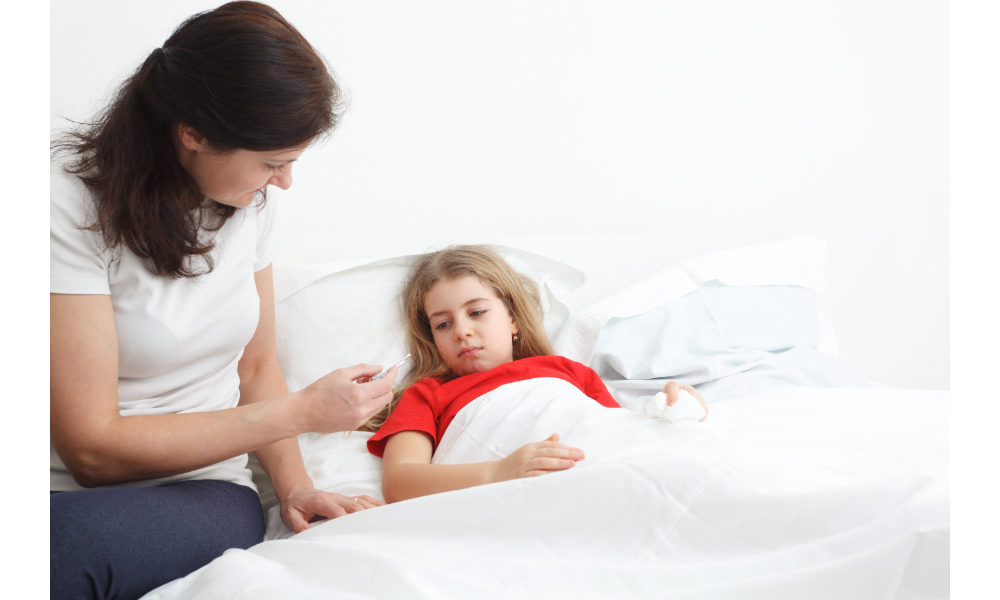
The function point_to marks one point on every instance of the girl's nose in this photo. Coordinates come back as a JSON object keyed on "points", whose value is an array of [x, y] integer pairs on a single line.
{"points": [[462, 330]]}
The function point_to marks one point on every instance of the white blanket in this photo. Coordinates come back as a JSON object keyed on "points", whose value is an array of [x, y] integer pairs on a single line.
{"points": [[794, 493]]}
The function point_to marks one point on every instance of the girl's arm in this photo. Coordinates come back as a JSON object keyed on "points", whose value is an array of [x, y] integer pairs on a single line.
{"points": [[673, 390], [99, 446], [407, 472], [261, 379]]}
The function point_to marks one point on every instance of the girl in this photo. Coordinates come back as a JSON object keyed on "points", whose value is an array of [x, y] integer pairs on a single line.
{"points": [[473, 324]]}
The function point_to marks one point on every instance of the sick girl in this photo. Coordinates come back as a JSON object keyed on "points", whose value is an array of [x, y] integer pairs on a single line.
{"points": [[473, 324]]}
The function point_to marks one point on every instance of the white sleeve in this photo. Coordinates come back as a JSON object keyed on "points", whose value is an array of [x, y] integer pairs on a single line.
{"points": [[78, 261], [270, 241]]}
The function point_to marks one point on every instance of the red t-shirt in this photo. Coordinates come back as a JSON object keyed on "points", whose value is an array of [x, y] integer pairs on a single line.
{"points": [[430, 405]]}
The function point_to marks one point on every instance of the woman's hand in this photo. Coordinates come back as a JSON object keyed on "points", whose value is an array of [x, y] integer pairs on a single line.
{"points": [[673, 390], [304, 504], [535, 459], [339, 401]]}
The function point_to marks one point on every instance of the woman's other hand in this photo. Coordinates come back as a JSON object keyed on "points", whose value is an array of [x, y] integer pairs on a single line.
{"points": [[537, 458], [673, 390], [340, 401], [306, 503]]}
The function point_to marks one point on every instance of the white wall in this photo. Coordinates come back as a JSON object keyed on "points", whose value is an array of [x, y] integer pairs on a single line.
{"points": [[617, 136]]}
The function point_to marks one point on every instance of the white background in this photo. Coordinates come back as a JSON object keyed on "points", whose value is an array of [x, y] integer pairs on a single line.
{"points": [[617, 137]]}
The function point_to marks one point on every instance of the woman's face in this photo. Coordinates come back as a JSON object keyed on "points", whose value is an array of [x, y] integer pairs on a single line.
{"points": [[471, 326], [234, 178]]}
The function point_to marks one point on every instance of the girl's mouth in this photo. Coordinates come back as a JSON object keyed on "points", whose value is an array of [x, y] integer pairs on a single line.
{"points": [[468, 352]]}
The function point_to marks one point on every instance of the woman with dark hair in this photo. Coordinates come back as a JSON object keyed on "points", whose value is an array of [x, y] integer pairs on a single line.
{"points": [[164, 373]]}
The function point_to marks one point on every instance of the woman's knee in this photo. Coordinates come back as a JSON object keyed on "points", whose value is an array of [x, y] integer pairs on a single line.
{"points": [[243, 523]]}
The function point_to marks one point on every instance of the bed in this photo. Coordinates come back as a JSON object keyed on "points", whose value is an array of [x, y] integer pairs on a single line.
{"points": [[806, 480]]}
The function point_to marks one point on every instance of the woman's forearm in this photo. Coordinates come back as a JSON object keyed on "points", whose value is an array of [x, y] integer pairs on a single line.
{"points": [[282, 460], [411, 480], [151, 446]]}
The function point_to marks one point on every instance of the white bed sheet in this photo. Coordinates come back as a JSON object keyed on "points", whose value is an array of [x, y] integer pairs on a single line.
{"points": [[792, 493]]}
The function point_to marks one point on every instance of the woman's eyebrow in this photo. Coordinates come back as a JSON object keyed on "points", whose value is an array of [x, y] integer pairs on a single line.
{"points": [[441, 312]]}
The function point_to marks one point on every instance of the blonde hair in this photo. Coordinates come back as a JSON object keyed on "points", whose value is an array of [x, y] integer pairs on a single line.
{"points": [[518, 292]]}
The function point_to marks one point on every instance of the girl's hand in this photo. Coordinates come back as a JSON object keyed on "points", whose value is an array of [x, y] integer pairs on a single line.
{"points": [[535, 459], [344, 399], [306, 503], [673, 390]]}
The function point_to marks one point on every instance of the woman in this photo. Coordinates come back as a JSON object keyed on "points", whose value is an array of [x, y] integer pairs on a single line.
{"points": [[164, 372]]}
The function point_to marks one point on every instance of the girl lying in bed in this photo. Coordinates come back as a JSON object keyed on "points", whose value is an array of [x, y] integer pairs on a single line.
{"points": [[473, 324]]}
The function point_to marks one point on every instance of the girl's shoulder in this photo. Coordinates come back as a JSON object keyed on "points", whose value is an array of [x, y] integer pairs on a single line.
{"points": [[554, 361], [560, 364], [425, 386], [523, 368], [426, 382]]}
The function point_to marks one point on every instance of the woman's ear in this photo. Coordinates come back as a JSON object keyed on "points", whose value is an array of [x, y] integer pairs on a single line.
{"points": [[190, 139]]}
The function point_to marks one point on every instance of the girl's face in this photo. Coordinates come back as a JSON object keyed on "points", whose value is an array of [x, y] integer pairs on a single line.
{"points": [[234, 178], [471, 326]]}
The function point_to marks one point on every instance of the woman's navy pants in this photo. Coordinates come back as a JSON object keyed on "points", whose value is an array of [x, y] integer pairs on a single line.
{"points": [[123, 542]]}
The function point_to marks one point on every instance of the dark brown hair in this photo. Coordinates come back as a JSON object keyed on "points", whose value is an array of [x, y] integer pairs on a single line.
{"points": [[242, 77]]}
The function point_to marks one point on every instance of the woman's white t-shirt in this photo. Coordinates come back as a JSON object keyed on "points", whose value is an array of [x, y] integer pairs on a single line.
{"points": [[179, 340]]}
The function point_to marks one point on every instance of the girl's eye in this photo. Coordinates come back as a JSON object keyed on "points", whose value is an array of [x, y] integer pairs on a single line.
{"points": [[277, 169], [476, 313], [442, 324]]}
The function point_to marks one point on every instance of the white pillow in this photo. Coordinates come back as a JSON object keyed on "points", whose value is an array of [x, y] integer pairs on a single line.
{"points": [[794, 262], [341, 314], [713, 332], [731, 323]]}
